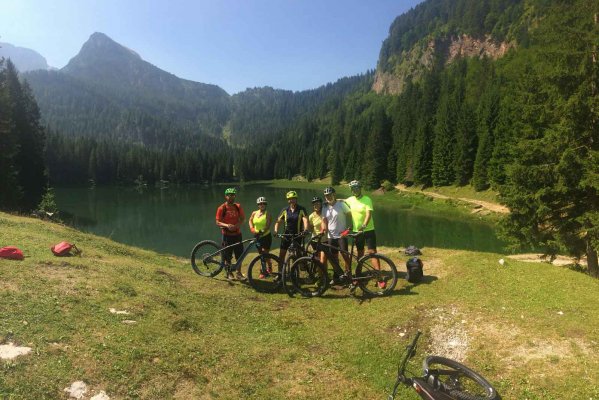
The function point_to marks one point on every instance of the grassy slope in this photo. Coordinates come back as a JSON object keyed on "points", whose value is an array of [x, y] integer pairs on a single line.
{"points": [[204, 338]]}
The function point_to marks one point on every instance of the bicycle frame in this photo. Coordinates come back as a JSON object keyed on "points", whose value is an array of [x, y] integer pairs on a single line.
{"points": [[424, 390], [335, 260], [246, 250]]}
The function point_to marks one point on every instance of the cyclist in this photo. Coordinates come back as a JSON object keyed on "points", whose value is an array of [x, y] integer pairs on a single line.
{"points": [[229, 217], [294, 217], [335, 224], [315, 224], [361, 212], [259, 222]]}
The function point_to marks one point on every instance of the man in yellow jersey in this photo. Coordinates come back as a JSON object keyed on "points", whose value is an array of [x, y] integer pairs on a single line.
{"points": [[361, 212]]}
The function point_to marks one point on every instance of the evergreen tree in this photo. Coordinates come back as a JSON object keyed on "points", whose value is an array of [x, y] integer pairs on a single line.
{"points": [[374, 166], [553, 183], [11, 193], [25, 139]]}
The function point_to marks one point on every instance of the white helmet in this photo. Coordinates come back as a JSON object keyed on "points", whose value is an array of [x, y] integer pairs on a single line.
{"points": [[261, 200], [355, 184]]}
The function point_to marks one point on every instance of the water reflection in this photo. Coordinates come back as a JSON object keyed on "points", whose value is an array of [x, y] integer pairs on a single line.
{"points": [[174, 219]]}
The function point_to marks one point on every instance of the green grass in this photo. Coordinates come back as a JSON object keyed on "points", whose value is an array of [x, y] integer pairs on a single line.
{"points": [[197, 337]]}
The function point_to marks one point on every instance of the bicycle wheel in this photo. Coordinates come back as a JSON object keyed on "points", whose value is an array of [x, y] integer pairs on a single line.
{"points": [[457, 380], [375, 281], [309, 277], [286, 275], [204, 260], [264, 273]]}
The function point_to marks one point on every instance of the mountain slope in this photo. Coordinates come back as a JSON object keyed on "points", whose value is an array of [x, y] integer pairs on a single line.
{"points": [[108, 89], [24, 59]]}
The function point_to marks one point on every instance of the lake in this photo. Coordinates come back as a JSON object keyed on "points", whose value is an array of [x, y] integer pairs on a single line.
{"points": [[172, 220]]}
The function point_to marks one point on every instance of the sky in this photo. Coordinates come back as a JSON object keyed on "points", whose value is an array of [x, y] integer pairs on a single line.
{"points": [[235, 44]]}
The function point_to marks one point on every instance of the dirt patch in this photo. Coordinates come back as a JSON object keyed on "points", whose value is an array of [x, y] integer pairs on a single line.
{"points": [[486, 205], [518, 349], [448, 334], [559, 260]]}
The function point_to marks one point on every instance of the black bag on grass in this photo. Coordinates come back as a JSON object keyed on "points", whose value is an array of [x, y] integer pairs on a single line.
{"points": [[415, 272]]}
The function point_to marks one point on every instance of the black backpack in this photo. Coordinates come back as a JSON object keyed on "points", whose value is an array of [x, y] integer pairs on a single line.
{"points": [[414, 267]]}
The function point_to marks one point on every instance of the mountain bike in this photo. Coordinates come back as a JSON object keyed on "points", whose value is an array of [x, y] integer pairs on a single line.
{"points": [[207, 259], [443, 379], [308, 272], [297, 249]]}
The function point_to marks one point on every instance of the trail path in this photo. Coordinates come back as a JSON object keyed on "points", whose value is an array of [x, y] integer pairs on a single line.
{"points": [[498, 208]]}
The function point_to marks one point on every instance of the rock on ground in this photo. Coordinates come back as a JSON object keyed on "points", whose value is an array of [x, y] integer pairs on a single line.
{"points": [[10, 351]]}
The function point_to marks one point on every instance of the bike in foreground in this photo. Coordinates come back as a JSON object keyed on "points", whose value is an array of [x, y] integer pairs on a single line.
{"points": [[443, 379]]}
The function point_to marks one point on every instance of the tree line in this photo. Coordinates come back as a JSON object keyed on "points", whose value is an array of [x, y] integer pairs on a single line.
{"points": [[23, 179]]}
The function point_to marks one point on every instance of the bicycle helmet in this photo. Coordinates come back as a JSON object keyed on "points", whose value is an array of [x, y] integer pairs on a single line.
{"points": [[261, 200], [329, 190], [230, 191], [291, 195], [316, 200], [355, 184]]}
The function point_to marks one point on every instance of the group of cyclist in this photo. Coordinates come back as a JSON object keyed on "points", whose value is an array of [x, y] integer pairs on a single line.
{"points": [[332, 218]]}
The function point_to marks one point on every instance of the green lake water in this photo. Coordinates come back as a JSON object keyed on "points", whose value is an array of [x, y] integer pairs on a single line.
{"points": [[172, 220]]}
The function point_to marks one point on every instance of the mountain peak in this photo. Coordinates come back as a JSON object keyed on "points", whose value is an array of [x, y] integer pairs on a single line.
{"points": [[101, 49]]}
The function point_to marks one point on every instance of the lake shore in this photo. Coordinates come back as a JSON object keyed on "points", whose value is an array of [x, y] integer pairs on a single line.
{"points": [[174, 334]]}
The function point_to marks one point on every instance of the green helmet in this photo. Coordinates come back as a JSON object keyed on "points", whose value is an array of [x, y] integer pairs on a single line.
{"points": [[291, 194], [230, 191]]}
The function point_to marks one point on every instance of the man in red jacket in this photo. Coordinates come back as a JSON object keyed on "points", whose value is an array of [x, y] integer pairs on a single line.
{"points": [[229, 217]]}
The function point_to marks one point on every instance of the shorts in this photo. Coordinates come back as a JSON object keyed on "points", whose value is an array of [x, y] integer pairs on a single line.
{"points": [[265, 242], [286, 242], [238, 250], [369, 237], [340, 243]]}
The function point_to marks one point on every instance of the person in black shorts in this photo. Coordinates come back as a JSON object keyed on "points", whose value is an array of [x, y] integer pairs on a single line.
{"points": [[295, 218]]}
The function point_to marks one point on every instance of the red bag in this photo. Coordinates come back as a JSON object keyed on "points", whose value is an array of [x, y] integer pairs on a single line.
{"points": [[11, 253], [63, 249]]}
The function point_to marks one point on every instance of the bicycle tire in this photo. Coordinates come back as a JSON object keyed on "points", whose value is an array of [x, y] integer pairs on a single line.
{"points": [[204, 265], [285, 274], [473, 387], [309, 277], [369, 278], [260, 278]]}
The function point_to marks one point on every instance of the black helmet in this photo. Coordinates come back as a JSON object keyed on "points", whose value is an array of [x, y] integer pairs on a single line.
{"points": [[329, 190], [316, 200]]}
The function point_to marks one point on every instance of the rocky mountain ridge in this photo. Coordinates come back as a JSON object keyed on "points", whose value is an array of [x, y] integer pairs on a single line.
{"points": [[413, 63]]}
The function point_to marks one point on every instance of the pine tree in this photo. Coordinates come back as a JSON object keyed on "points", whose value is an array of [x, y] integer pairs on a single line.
{"points": [[11, 193], [553, 183], [374, 167]]}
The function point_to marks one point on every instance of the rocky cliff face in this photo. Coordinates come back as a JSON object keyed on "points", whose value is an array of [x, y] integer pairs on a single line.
{"points": [[412, 64]]}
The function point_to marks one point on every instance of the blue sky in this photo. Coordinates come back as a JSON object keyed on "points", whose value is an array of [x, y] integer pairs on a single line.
{"points": [[236, 44]]}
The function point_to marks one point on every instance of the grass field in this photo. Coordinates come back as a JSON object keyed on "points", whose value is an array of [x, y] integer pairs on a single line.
{"points": [[531, 329]]}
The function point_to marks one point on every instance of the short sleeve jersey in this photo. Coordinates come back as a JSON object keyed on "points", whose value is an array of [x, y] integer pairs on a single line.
{"points": [[336, 220], [230, 214], [315, 222], [292, 218], [358, 211]]}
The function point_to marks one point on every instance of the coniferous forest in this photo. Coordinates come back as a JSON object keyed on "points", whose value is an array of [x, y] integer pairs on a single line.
{"points": [[523, 122]]}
